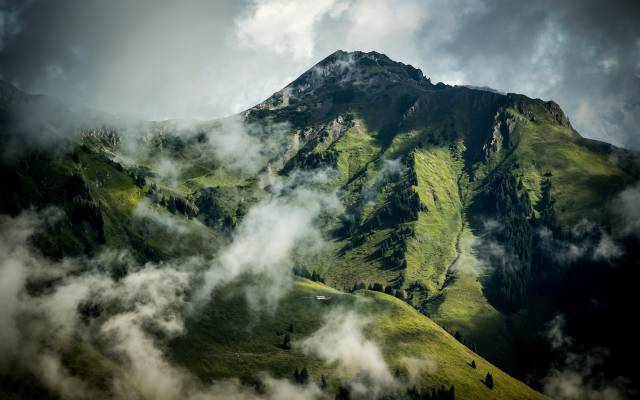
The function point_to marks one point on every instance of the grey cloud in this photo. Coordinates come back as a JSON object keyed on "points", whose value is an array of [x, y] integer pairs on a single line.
{"points": [[272, 234], [417, 366], [168, 170], [163, 220], [582, 54], [587, 241], [575, 376], [144, 297], [625, 206], [341, 343], [246, 147], [555, 332], [151, 59], [390, 169], [237, 146], [201, 59], [130, 322]]}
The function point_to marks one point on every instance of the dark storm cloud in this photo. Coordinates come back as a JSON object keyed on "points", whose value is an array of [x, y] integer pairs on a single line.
{"points": [[584, 54], [204, 59], [157, 59]]}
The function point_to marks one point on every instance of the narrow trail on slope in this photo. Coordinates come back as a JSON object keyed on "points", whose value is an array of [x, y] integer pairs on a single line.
{"points": [[450, 273]]}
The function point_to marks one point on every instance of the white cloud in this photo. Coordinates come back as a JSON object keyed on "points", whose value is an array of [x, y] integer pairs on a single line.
{"points": [[271, 235], [162, 219], [245, 147], [285, 26], [341, 343], [380, 24], [555, 332], [128, 321], [625, 205], [574, 377], [416, 367], [222, 57]]}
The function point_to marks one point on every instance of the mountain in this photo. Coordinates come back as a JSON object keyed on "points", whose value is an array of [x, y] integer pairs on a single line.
{"points": [[490, 180], [472, 220]]}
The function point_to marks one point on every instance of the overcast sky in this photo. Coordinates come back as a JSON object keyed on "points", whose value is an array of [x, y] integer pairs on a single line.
{"points": [[204, 59]]}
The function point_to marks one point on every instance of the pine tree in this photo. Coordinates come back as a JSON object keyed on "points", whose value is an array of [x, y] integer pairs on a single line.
{"points": [[260, 387], [304, 376], [473, 364], [400, 280], [323, 382], [171, 204], [488, 380], [546, 204], [286, 342], [343, 393]]}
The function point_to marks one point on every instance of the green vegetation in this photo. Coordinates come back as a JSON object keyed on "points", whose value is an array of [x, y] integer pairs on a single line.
{"points": [[433, 248], [229, 340], [356, 149], [584, 174], [464, 308], [446, 192]]}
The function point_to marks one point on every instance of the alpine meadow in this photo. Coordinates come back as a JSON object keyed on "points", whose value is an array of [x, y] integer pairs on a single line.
{"points": [[209, 200]]}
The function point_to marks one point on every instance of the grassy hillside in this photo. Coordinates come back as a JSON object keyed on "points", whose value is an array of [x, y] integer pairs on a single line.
{"points": [[111, 201], [585, 175], [228, 340], [464, 309], [433, 249]]}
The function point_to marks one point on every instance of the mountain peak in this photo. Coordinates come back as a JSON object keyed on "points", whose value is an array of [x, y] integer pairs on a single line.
{"points": [[360, 69], [362, 72], [342, 54]]}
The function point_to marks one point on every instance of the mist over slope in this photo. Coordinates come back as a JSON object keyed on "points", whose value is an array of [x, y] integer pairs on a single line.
{"points": [[375, 229]]}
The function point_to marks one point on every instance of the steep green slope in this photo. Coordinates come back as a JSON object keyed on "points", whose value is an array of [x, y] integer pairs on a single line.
{"points": [[432, 250], [107, 206], [463, 308], [229, 340], [585, 174]]}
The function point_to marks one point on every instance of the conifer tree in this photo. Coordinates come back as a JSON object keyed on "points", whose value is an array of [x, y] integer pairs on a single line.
{"points": [[343, 393], [323, 382], [488, 380], [304, 376]]}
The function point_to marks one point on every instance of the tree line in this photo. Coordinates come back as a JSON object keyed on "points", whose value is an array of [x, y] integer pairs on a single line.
{"points": [[303, 272], [514, 274]]}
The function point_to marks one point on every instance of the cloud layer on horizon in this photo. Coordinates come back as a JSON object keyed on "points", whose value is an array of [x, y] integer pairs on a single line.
{"points": [[199, 59]]}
